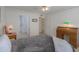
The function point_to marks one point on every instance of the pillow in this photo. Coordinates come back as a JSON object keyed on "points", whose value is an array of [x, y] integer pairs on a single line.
{"points": [[62, 45], [5, 44]]}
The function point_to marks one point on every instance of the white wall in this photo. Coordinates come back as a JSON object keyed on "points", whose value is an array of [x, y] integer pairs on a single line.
{"points": [[12, 17], [2, 18], [54, 20]]}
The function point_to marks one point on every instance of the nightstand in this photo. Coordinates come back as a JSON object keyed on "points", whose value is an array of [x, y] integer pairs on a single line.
{"points": [[12, 36]]}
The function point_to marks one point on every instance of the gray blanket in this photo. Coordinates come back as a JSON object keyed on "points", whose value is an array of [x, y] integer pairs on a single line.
{"points": [[41, 43]]}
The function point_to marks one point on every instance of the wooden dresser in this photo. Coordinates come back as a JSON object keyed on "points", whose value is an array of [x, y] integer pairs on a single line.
{"points": [[71, 33]]}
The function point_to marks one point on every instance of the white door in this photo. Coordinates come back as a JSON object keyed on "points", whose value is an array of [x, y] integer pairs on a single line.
{"points": [[25, 26]]}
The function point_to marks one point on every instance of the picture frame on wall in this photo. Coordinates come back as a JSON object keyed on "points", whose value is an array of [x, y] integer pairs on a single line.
{"points": [[34, 20]]}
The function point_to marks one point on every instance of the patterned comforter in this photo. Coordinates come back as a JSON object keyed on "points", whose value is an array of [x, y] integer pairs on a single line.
{"points": [[41, 43]]}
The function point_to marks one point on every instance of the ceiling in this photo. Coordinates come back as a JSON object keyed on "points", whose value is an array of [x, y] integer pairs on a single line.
{"points": [[52, 9]]}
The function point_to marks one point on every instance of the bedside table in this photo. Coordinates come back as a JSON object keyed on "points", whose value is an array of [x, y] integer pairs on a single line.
{"points": [[12, 36]]}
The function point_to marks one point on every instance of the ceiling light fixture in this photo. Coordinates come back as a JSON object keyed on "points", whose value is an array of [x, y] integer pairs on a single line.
{"points": [[44, 8]]}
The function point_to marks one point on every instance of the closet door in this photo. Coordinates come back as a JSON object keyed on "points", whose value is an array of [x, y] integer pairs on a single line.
{"points": [[25, 26]]}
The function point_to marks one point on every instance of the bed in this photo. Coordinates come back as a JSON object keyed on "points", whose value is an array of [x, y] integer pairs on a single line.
{"points": [[41, 43], [62, 45]]}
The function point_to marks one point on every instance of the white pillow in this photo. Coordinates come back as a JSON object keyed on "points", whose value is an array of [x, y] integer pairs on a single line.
{"points": [[62, 45], [5, 44]]}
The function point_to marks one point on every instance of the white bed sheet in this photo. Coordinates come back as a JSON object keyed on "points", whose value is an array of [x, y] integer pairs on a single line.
{"points": [[62, 45], [5, 44]]}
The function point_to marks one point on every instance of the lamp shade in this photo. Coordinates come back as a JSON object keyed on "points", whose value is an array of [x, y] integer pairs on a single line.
{"points": [[8, 28]]}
